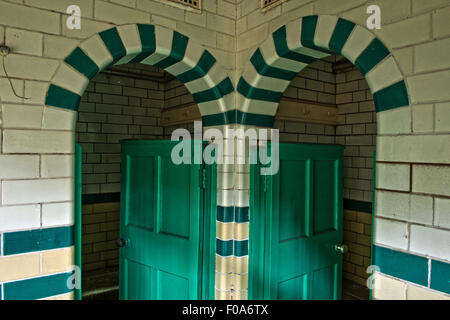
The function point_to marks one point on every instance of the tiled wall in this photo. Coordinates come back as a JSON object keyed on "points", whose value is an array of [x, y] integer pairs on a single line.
{"points": [[36, 150]]}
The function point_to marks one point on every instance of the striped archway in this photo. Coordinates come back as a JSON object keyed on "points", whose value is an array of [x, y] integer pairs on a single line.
{"points": [[154, 45], [293, 46]]}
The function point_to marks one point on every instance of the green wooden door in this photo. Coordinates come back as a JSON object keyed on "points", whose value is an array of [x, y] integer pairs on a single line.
{"points": [[165, 223], [296, 222]]}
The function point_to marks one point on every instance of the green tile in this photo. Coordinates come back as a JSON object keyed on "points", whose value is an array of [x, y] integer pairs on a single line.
{"points": [[375, 52], [309, 24], [80, 61], [225, 214], [179, 45], [402, 265], [224, 248], [394, 96], [264, 69], [241, 248], [37, 288], [62, 98], [203, 66], [250, 92], [440, 276], [37, 240], [282, 49], [148, 42], [340, 35], [113, 43], [222, 89]]}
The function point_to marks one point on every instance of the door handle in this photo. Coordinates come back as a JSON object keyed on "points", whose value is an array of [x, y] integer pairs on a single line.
{"points": [[340, 248], [121, 242]]}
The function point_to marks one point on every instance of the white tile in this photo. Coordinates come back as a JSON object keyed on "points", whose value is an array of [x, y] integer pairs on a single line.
{"points": [[403, 206], [34, 141], [383, 75], [324, 30], [430, 241], [431, 179], [356, 43], [394, 121], [22, 116], [20, 217], [393, 176], [70, 79], [97, 51]]}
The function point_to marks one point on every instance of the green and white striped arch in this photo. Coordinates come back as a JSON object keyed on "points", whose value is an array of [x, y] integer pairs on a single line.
{"points": [[293, 46], [174, 52]]}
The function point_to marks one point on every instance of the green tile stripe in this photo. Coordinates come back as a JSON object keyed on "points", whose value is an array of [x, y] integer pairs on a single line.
{"points": [[81, 62], [309, 24], [394, 96], [241, 248], [113, 43], [179, 45], [222, 89], [282, 49], [148, 42], [251, 92], [37, 240], [205, 64], [224, 248], [37, 288], [401, 265], [1, 296], [440, 276], [375, 52], [241, 214], [340, 35], [62, 98], [238, 117], [266, 70]]}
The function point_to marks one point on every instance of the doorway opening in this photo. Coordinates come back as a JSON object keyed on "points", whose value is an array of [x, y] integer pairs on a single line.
{"points": [[329, 102], [130, 101]]}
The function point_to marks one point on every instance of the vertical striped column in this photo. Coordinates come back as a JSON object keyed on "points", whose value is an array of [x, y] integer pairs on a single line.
{"points": [[232, 225]]}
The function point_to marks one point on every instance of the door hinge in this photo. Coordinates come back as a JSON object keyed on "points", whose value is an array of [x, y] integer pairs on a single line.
{"points": [[203, 178]]}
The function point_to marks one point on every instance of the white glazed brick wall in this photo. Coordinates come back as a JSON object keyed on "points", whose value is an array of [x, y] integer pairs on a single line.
{"points": [[411, 29]]}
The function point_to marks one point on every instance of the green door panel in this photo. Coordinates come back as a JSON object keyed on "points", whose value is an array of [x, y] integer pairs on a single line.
{"points": [[296, 219], [165, 219]]}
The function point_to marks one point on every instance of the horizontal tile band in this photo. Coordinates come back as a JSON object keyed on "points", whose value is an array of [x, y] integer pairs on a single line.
{"points": [[356, 205], [233, 214], [100, 198], [37, 240], [401, 265], [37, 288], [238, 117], [226, 248]]}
